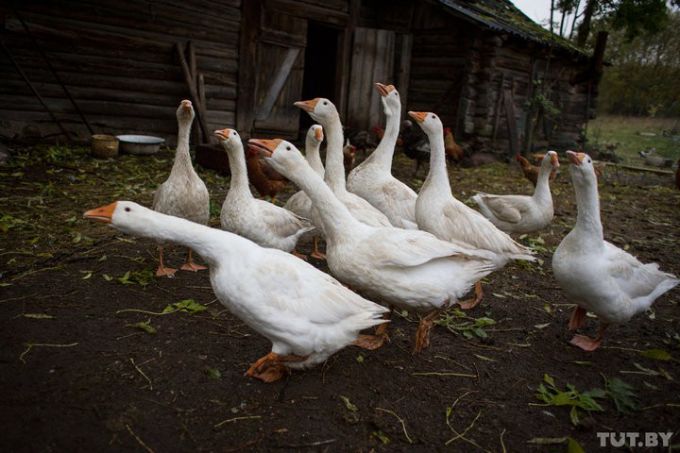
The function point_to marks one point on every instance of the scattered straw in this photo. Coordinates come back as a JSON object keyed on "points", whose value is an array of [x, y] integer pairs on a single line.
{"points": [[30, 346], [401, 420]]}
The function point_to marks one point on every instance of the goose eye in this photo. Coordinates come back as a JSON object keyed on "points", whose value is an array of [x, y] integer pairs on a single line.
{"points": [[287, 148], [127, 209], [325, 103], [434, 117]]}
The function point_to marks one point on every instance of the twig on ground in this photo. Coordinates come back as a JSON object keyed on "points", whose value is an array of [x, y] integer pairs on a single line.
{"points": [[443, 373], [30, 346], [235, 419], [139, 441], [401, 420], [141, 372]]}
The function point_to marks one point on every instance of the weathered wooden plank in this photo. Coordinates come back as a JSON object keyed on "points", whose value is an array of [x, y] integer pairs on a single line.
{"points": [[265, 109], [252, 10]]}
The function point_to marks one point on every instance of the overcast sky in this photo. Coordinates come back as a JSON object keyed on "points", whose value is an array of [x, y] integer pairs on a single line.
{"points": [[538, 10]]}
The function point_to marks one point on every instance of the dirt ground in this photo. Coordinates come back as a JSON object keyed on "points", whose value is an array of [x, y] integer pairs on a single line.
{"points": [[89, 362]]}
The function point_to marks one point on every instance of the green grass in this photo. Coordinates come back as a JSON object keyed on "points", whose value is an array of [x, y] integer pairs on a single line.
{"points": [[626, 132]]}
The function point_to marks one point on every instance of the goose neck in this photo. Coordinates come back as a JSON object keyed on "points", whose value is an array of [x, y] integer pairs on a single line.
{"points": [[182, 156], [588, 220], [335, 167], [384, 153], [239, 172], [437, 177]]}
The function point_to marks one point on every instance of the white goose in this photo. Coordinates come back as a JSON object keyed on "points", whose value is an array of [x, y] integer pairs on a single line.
{"points": [[522, 213], [306, 314], [323, 111], [299, 203], [372, 179], [184, 193], [440, 213], [409, 269], [595, 274], [258, 220]]}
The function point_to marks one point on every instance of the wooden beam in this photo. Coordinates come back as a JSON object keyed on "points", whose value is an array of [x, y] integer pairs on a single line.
{"points": [[275, 88], [511, 122], [193, 92], [250, 30]]}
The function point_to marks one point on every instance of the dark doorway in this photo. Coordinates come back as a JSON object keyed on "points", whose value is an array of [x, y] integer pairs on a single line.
{"points": [[320, 67]]}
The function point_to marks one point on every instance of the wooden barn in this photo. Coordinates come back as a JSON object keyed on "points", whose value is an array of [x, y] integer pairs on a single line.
{"points": [[77, 67]]}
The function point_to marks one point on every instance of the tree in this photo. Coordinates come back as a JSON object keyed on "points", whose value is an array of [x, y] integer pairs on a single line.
{"points": [[644, 73], [632, 16]]}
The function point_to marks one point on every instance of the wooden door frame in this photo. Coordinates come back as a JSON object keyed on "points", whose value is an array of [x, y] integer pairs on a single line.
{"points": [[251, 27]]}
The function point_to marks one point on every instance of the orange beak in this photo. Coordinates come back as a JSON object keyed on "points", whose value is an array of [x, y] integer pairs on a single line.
{"points": [[102, 213], [223, 134], [384, 90], [576, 158], [307, 106], [554, 160], [265, 148], [418, 116], [186, 104], [318, 133]]}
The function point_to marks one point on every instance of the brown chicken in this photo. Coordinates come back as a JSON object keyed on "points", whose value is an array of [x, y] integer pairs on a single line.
{"points": [[453, 149], [267, 181], [531, 171], [349, 152]]}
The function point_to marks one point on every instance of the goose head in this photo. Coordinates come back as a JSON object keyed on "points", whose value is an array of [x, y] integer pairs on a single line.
{"points": [[185, 112], [229, 139], [125, 216], [389, 97], [315, 135], [428, 122], [582, 169], [281, 155], [320, 109], [550, 160]]}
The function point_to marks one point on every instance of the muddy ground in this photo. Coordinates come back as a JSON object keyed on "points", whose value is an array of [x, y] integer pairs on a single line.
{"points": [[88, 362]]}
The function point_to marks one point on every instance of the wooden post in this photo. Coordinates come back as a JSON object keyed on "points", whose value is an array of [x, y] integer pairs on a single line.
{"points": [[250, 32], [193, 92], [509, 105]]}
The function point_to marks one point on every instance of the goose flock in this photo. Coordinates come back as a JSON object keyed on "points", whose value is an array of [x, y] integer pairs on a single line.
{"points": [[386, 245]]}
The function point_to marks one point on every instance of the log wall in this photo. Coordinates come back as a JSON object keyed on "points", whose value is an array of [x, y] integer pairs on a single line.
{"points": [[119, 62]]}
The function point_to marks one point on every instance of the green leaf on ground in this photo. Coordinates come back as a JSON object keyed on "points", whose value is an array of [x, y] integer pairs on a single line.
{"points": [[549, 393], [657, 354], [381, 436], [186, 305], [145, 326], [573, 446], [348, 404], [213, 373], [622, 394]]}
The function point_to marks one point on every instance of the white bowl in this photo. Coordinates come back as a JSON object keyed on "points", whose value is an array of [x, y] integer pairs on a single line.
{"points": [[140, 144]]}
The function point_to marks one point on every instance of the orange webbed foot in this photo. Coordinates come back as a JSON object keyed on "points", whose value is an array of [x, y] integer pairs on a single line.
{"points": [[193, 267], [586, 343], [163, 271]]}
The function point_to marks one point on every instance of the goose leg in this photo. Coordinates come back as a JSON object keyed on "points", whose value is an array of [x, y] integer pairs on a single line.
{"points": [[381, 330], [162, 270], [316, 253], [302, 256], [271, 367], [578, 317], [589, 344], [190, 265], [423, 332], [471, 303]]}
